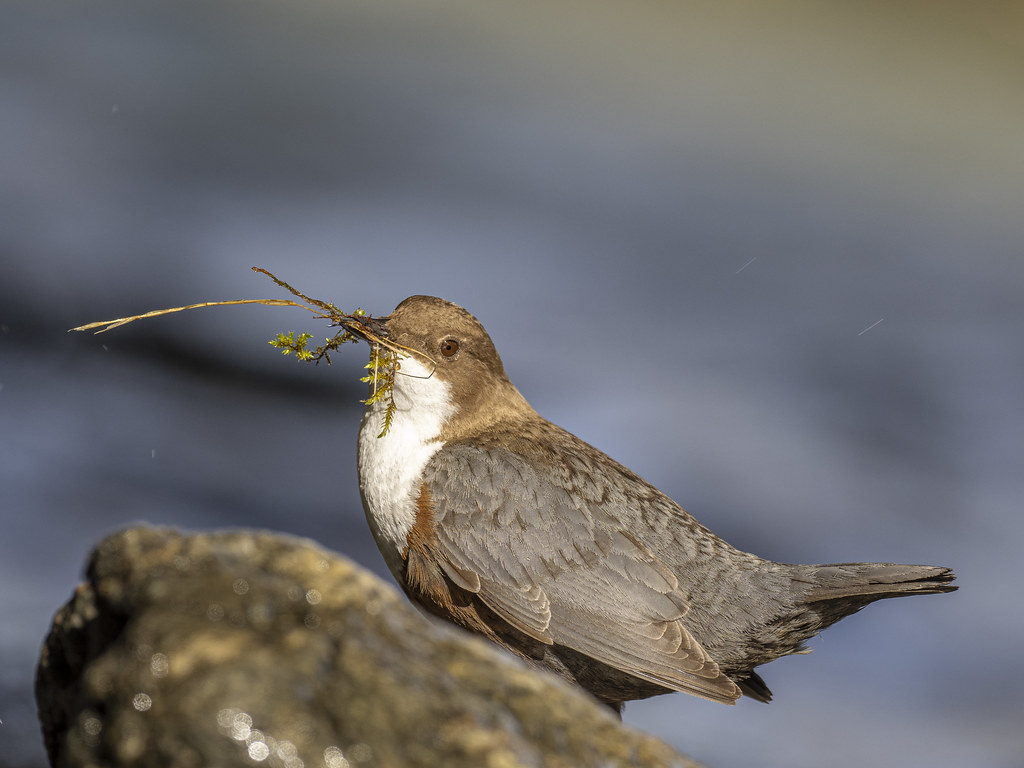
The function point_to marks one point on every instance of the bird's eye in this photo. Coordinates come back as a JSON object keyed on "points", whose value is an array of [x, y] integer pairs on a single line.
{"points": [[449, 347]]}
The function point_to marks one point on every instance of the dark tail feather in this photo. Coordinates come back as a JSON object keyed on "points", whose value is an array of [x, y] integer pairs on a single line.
{"points": [[753, 686], [863, 583], [824, 594]]}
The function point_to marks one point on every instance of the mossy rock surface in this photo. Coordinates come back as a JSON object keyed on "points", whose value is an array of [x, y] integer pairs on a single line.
{"points": [[246, 648]]}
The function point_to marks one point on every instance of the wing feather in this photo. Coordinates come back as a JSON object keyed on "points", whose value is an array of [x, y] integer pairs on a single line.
{"points": [[563, 570]]}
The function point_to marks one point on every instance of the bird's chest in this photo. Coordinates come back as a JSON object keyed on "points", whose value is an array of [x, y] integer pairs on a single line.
{"points": [[391, 469]]}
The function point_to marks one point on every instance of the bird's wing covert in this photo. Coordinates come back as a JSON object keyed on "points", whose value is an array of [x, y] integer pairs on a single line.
{"points": [[562, 569]]}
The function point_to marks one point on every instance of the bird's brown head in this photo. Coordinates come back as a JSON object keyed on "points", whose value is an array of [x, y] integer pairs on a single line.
{"points": [[456, 349]]}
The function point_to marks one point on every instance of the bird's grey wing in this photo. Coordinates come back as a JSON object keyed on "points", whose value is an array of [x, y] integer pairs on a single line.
{"points": [[559, 567]]}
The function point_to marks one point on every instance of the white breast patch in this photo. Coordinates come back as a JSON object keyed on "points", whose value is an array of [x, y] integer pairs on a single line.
{"points": [[390, 467]]}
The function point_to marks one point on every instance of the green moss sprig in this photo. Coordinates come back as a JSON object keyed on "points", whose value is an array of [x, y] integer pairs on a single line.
{"points": [[383, 367]]}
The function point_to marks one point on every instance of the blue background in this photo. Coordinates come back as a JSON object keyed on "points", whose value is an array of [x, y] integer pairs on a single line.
{"points": [[769, 256]]}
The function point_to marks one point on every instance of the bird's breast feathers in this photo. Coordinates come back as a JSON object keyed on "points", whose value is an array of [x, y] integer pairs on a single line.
{"points": [[390, 467]]}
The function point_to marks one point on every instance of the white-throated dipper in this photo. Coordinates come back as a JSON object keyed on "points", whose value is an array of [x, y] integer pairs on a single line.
{"points": [[501, 522]]}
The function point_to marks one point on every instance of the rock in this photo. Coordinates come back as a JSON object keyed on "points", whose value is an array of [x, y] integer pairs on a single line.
{"points": [[244, 648]]}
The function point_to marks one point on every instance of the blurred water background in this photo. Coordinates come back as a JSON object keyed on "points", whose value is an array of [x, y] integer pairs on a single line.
{"points": [[768, 255]]}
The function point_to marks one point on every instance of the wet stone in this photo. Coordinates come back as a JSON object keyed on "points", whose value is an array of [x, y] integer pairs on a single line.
{"points": [[248, 648]]}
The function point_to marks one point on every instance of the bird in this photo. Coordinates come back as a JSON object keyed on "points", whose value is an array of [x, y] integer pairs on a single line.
{"points": [[495, 519]]}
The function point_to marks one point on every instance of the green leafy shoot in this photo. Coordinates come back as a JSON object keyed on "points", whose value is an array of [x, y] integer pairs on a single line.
{"points": [[383, 366], [288, 344], [356, 326]]}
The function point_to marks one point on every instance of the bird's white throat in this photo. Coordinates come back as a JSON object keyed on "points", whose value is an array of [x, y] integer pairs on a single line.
{"points": [[390, 466]]}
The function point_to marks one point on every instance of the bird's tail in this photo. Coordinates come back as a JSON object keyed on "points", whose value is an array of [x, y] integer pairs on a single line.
{"points": [[830, 592], [824, 594], [874, 581]]}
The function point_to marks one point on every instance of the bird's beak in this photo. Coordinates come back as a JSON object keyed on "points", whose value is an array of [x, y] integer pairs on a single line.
{"points": [[367, 327]]}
